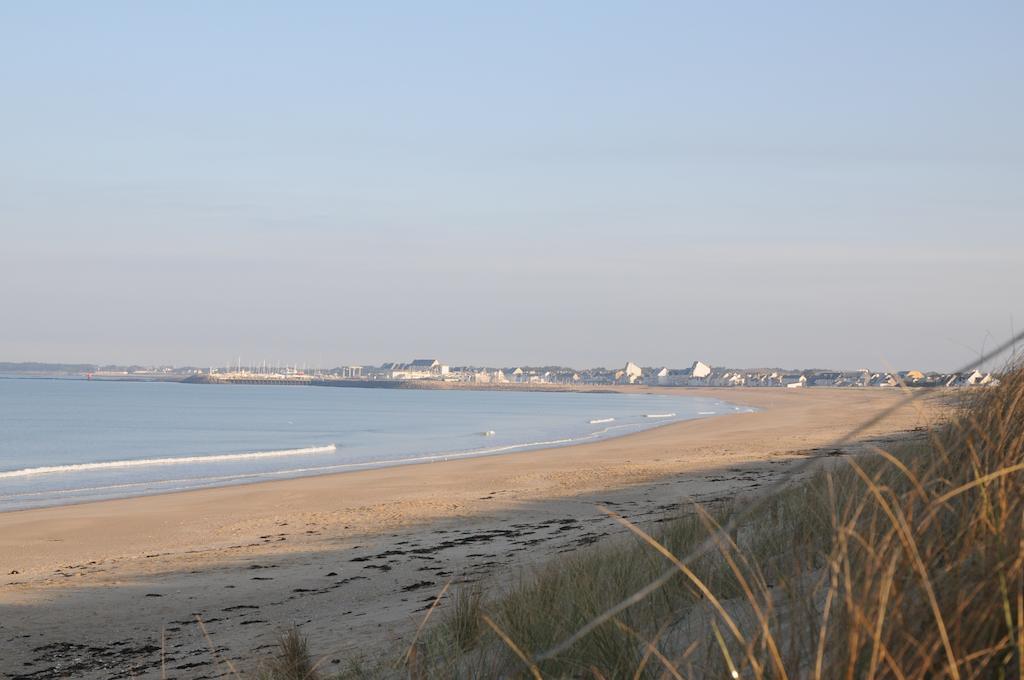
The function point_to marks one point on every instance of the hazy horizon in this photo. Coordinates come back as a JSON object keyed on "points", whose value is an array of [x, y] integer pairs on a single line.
{"points": [[579, 184]]}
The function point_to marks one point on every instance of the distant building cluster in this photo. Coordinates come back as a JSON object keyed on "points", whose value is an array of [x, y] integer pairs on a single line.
{"points": [[703, 374], [698, 374]]}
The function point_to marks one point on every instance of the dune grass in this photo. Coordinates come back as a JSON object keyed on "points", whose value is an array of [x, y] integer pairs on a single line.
{"points": [[902, 564], [293, 660]]}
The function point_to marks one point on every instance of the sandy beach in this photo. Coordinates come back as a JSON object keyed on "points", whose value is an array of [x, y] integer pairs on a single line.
{"points": [[117, 588]]}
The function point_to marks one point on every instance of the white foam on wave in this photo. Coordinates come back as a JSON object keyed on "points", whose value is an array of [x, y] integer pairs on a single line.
{"points": [[706, 413], [660, 415], [198, 482], [147, 462], [178, 484], [601, 420]]}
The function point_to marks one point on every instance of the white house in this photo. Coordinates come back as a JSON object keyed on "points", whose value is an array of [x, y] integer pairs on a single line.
{"points": [[729, 379], [699, 374], [417, 370], [632, 373], [432, 365]]}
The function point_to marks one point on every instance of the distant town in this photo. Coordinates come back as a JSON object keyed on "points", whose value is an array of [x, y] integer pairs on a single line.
{"points": [[432, 373]]}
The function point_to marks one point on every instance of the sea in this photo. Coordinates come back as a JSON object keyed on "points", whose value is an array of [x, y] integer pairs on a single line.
{"points": [[73, 441]]}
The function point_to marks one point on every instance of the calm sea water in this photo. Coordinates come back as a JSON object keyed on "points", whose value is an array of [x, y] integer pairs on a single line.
{"points": [[68, 441]]}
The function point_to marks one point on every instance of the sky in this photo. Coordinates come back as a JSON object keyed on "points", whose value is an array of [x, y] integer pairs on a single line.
{"points": [[826, 184]]}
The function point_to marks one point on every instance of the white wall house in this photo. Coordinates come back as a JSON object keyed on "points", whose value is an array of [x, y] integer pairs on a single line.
{"points": [[700, 370], [420, 369], [631, 373], [700, 374]]}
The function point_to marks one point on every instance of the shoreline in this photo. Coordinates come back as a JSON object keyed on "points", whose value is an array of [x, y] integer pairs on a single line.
{"points": [[654, 421], [352, 557], [373, 467]]}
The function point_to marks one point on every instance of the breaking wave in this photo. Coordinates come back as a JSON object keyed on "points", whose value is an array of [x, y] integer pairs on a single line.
{"points": [[213, 458]]}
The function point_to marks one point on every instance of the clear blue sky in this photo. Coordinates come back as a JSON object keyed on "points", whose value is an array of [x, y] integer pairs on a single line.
{"points": [[813, 184]]}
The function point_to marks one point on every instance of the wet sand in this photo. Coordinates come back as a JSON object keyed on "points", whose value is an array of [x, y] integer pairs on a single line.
{"points": [[116, 588]]}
